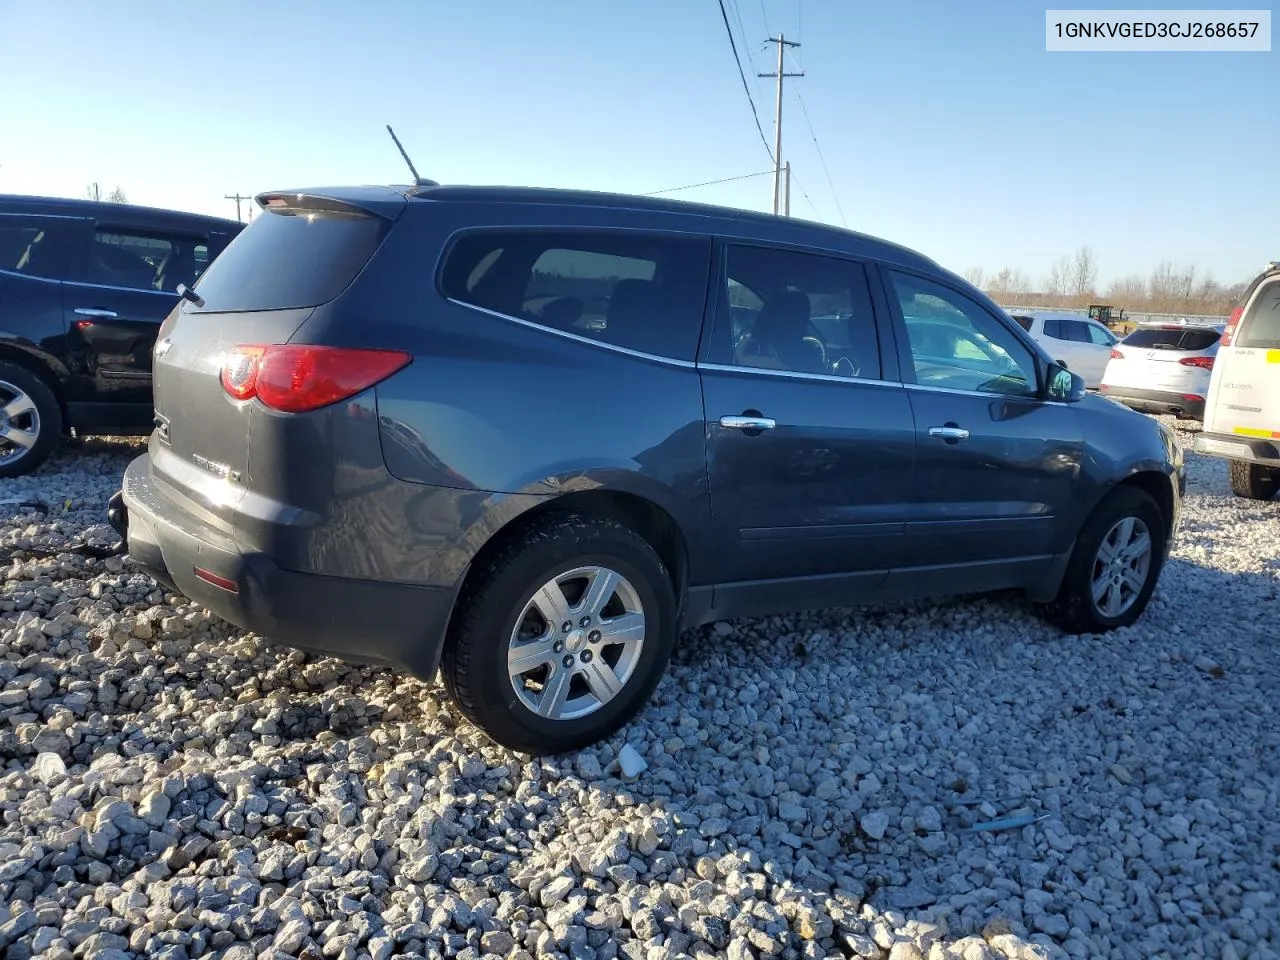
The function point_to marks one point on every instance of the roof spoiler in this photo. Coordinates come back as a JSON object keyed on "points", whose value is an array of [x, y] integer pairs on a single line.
{"points": [[381, 202]]}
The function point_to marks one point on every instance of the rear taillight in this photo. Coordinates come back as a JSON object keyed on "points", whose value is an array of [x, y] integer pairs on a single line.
{"points": [[240, 372], [1230, 332], [295, 378], [1204, 363], [1116, 354]]}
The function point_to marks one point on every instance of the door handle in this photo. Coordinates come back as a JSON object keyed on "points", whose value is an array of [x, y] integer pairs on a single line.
{"points": [[748, 423], [94, 312], [950, 433]]}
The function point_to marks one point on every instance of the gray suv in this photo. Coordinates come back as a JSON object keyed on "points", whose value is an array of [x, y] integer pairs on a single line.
{"points": [[525, 437]]}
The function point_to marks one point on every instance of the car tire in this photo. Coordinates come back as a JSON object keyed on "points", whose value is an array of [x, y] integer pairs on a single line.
{"points": [[1252, 480], [27, 407], [1106, 558], [582, 683]]}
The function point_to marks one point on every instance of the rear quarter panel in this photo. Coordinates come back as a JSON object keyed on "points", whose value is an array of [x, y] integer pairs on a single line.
{"points": [[494, 413]]}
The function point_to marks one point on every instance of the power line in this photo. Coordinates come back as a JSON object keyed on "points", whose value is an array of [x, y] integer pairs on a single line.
{"points": [[742, 30], [736, 59], [800, 20], [817, 146], [805, 193], [706, 183], [736, 7]]}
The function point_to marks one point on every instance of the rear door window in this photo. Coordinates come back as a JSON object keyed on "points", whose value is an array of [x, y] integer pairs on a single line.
{"points": [[143, 259], [642, 292], [1260, 325], [800, 312], [1158, 338], [38, 246], [1054, 329], [290, 257], [1078, 331]]}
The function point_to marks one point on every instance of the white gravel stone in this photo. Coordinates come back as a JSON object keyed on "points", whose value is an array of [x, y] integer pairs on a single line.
{"points": [[875, 824], [630, 762], [172, 787]]}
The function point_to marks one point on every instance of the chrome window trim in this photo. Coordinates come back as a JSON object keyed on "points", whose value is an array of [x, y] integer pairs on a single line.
{"points": [[107, 286], [28, 276], [797, 375], [729, 368], [46, 216], [985, 396], [578, 338]]}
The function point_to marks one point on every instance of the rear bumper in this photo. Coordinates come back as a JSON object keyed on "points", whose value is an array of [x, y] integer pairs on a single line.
{"points": [[1157, 401], [363, 621], [1233, 447]]}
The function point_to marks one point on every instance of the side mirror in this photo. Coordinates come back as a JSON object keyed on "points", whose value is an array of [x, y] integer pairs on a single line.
{"points": [[1063, 385]]}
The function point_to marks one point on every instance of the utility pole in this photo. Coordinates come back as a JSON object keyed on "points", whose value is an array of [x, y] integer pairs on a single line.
{"points": [[237, 198], [786, 209], [781, 73]]}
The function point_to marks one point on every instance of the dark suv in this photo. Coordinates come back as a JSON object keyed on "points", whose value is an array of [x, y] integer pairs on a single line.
{"points": [[83, 288], [525, 436]]}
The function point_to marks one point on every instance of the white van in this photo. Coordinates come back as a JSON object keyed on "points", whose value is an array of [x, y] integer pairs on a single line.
{"points": [[1242, 415]]}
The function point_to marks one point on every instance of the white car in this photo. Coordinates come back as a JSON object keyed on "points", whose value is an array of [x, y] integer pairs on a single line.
{"points": [[1242, 417], [1164, 368], [1083, 345]]}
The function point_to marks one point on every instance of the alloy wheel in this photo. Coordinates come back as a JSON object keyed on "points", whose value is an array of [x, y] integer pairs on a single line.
{"points": [[19, 423], [1121, 566], [576, 643]]}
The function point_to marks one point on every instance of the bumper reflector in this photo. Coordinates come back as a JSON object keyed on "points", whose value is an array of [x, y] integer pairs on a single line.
{"points": [[222, 583]]}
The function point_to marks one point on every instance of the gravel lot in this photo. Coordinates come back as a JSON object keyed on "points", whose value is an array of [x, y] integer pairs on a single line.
{"points": [[172, 787]]}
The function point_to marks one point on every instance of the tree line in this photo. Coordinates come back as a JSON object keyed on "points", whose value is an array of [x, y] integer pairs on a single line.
{"points": [[1072, 283], [91, 192]]}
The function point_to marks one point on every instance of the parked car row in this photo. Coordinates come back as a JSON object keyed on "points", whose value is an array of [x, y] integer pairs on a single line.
{"points": [[1225, 375], [524, 436], [84, 286]]}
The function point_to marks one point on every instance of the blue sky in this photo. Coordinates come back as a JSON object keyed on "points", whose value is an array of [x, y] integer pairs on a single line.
{"points": [[946, 126]]}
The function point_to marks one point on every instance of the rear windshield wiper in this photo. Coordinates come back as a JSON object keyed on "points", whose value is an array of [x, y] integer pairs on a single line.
{"points": [[188, 294]]}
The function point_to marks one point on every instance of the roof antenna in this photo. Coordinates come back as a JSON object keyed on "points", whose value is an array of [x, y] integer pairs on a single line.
{"points": [[417, 180]]}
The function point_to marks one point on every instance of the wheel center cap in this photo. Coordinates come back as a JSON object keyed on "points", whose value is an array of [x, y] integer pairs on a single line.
{"points": [[575, 641]]}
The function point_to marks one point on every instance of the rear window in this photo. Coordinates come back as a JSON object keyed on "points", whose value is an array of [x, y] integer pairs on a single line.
{"points": [[644, 292], [1260, 326], [290, 258], [1024, 322], [1177, 339], [143, 260]]}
